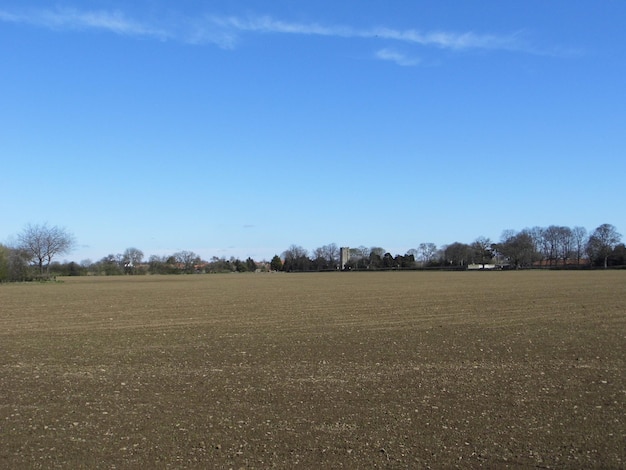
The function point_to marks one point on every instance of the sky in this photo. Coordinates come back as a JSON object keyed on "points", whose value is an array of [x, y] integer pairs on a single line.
{"points": [[239, 128]]}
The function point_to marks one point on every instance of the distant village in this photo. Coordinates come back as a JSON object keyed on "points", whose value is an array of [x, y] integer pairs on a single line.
{"points": [[35, 256]]}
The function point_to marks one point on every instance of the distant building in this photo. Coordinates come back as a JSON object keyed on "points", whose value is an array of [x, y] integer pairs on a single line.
{"points": [[473, 267], [344, 257]]}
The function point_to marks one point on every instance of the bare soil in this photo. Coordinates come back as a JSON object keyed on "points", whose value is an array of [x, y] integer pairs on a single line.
{"points": [[335, 370]]}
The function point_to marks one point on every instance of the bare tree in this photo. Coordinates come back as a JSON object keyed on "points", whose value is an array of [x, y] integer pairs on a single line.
{"points": [[518, 248], [550, 243], [536, 235], [579, 235], [364, 251], [414, 252], [294, 252], [458, 254], [132, 258], [186, 260], [328, 255], [566, 243], [482, 251], [42, 243], [359, 257], [427, 252], [331, 252], [296, 258], [602, 242]]}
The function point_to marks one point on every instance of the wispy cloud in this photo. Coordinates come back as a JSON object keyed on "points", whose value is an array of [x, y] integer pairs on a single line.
{"points": [[396, 57], [8, 17], [227, 31], [70, 19], [440, 39], [450, 40], [446, 40], [267, 24]]}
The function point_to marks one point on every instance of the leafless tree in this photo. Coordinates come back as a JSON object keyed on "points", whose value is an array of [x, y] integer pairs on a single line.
{"points": [[566, 243], [359, 256], [187, 260], [363, 251], [427, 252], [458, 254], [536, 235], [294, 252], [518, 248], [579, 236], [481, 250], [296, 258], [602, 242], [550, 243], [329, 253], [42, 243], [132, 258], [414, 252]]}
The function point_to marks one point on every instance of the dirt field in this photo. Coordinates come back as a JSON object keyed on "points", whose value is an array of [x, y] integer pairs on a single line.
{"points": [[336, 370]]}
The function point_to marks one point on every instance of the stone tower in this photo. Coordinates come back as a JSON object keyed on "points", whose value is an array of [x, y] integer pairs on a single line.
{"points": [[344, 257]]}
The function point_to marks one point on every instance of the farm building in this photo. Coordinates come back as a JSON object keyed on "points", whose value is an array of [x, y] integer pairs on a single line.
{"points": [[474, 267]]}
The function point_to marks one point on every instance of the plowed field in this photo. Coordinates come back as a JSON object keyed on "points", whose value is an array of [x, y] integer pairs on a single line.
{"points": [[333, 370]]}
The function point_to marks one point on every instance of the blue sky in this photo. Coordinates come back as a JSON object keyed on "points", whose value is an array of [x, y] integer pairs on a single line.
{"points": [[238, 128]]}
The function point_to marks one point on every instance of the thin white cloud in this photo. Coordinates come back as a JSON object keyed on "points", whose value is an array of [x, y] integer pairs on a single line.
{"points": [[226, 31], [202, 32], [71, 19], [446, 40], [8, 17], [267, 24], [396, 57]]}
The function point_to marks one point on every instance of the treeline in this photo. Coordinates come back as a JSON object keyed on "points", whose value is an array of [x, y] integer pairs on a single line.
{"points": [[183, 262], [554, 247], [14, 266]]}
